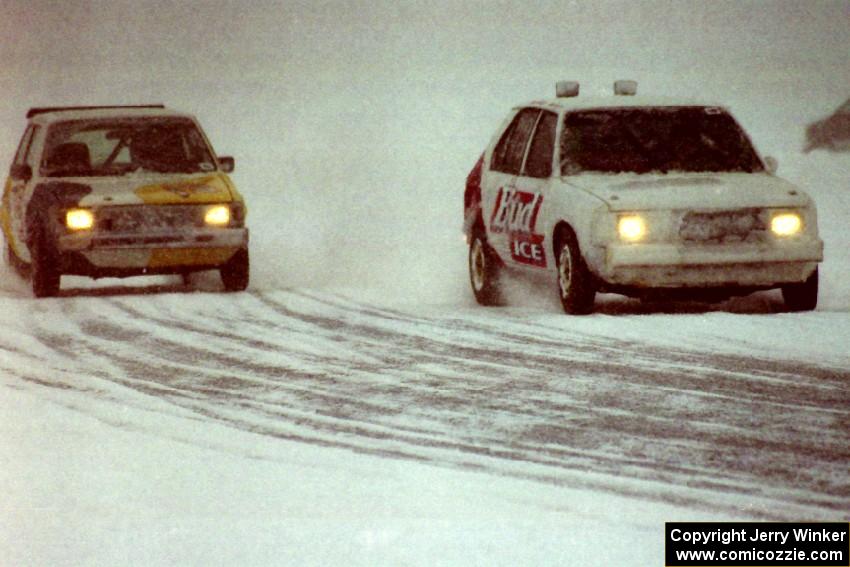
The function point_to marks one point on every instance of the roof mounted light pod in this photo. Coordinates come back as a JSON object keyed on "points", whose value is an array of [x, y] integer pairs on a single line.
{"points": [[625, 88], [566, 88]]}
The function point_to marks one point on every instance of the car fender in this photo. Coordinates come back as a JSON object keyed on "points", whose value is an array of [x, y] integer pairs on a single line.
{"points": [[577, 208], [46, 200], [5, 212], [472, 198]]}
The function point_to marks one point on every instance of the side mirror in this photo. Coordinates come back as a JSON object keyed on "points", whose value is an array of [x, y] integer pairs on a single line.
{"points": [[20, 172], [227, 163], [771, 164]]}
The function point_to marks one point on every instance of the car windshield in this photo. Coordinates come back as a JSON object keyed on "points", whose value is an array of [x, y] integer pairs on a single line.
{"points": [[656, 139], [121, 146]]}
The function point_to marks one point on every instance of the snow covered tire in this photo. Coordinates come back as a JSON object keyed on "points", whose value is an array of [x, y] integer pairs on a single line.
{"points": [[576, 286], [236, 272], [44, 272], [484, 271], [802, 296]]}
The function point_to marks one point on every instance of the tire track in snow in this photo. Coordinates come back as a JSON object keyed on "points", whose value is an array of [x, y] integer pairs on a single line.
{"points": [[506, 395]]}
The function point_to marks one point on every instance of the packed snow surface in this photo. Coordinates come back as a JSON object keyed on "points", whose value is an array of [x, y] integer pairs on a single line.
{"points": [[309, 427], [354, 406]]}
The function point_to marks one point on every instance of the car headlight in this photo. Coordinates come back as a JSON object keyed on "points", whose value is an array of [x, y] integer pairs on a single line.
{"points": [[218, 215], [786, 224], [631, 228], [79, 219]]}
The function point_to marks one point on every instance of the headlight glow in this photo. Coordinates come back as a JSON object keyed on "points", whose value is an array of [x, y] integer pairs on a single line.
{"points": [[631, 228], [79, 219], [786, 224], [218, 215]]}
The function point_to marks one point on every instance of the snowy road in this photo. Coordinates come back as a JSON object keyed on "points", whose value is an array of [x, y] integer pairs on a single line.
{"points": [[686, 419]]}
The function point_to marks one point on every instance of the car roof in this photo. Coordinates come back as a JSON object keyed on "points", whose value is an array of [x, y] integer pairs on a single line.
{"points": [[599, 102], [59, 114]]}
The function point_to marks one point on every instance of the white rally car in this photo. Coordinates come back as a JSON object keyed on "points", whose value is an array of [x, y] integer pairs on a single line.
{"points": [[639, 197], [121, 191]]}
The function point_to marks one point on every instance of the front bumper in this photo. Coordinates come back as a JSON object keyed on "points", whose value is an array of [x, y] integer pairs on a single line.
{"points": [[150, 252], [687, 265]]}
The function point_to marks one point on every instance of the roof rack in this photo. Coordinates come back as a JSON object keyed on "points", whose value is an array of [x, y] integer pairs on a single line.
{"points": [[44, 109]]}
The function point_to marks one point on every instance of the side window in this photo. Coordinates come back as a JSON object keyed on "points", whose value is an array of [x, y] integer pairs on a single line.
{"points": [[539, 161], [508, 154], [24, 146]]}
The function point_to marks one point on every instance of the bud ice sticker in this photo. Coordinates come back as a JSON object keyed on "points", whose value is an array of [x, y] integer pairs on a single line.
{"points": [[515, 213]]}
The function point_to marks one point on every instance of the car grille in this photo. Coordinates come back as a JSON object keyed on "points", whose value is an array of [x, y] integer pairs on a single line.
{"points": [[146, 218], [724, 227]]}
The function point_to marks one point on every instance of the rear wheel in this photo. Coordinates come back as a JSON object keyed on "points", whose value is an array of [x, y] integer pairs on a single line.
{"points": [[484, 271], [802, 296], [44, 273], [236, 272], [576, 286]]}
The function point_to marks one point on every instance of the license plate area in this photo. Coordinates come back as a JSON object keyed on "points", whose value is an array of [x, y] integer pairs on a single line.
{"points": [[723, 227], [149, 219]]}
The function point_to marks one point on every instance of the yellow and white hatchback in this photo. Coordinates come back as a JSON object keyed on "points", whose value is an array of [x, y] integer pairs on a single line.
{"points": [[636, 196], [121, 191]]}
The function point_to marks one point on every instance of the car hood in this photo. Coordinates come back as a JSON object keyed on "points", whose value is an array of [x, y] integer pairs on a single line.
{"points": [[632, 192], [156, 189]]}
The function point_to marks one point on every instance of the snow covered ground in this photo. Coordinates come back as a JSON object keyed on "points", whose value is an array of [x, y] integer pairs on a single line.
{"points": [[304, 427], [150, 486], [355, 407]]}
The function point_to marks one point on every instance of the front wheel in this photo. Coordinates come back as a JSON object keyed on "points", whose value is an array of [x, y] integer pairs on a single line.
{"points": [[45, 273], [484, 272], [236, 272], [576, 287], [802, 296]]}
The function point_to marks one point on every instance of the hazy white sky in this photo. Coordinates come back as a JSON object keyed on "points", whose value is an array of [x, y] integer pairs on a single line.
{"points": [[218, 41], [239, 57]]}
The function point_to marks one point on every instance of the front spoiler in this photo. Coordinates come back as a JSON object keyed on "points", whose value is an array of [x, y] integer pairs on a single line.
{"points": [[196, 238], [114, 254], [664, 265]]}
